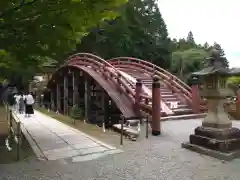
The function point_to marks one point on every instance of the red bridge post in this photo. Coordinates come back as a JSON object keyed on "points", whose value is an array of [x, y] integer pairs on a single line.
{"points": [[195, 95], [58, 109], [65, 95], [156, 106], [75, 80], [138, 91]]}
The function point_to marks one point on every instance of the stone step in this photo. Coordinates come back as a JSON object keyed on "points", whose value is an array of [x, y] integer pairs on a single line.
{"points": [[182, 106], [166, 91], [167, 95], [182, 111], [170, 100], [183, 117], [173, 98]]}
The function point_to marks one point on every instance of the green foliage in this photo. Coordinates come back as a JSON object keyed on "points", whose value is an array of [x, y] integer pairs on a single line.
{"points": [[188, 57], [190, 39], [31, 29], [11, 100], [187, 61], [222, 53], [140, 32], [234, 83], [234, 80], [76, 113]]}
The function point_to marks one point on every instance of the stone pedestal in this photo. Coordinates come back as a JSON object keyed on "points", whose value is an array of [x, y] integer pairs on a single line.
{"points": [[219, 143], [216, 137]]}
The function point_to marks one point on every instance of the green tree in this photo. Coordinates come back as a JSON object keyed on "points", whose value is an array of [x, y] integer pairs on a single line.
{"points": [[188, 61], [31, 29], [140, 32], [222, 53], [190, 38], [206, 46], [234, 83]]}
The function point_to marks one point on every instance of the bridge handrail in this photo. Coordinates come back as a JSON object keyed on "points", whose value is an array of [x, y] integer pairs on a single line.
{"points": [[93, 59], [155, 67], [15, 134], [183, 87]]}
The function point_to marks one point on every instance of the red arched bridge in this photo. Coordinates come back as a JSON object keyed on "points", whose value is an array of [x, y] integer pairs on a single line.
{"points": [[108, 88]]}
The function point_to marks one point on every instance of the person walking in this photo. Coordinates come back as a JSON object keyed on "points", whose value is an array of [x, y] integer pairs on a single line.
{"points": [[16, 106], [21, 103], [29, 101]]}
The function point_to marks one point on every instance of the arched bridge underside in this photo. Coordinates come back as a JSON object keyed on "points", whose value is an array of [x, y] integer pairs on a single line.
{"points": [[108, 88]]}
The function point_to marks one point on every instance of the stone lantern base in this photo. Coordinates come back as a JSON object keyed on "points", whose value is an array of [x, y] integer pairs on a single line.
{"points": [[219, 143]]}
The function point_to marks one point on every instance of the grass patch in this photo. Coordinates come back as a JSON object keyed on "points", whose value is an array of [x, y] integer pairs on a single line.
{"points": [[90, 129], [3, 121], [7, 157]]}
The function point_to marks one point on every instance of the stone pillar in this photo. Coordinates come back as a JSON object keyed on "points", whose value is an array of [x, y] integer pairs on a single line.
{"points": [[138, 91], [65, 95], [58, 99], [87, 94], [75, 79], [105, 110], [195, 96], [156, 106], [216, 116]]}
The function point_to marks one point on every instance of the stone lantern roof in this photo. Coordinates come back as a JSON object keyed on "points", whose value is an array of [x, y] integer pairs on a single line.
{"points": [[214, 65]]}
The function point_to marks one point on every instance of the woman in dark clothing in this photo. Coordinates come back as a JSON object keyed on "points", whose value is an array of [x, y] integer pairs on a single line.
{"points": [[29, 101]]}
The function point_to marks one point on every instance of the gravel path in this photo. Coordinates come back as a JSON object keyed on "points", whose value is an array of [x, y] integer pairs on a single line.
{"points": [[158, 158]]}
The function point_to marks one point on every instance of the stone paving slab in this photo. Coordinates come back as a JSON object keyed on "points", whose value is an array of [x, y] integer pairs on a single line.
{"points": [[90, 157], [92, 150], [54, 140], [85, 145]]}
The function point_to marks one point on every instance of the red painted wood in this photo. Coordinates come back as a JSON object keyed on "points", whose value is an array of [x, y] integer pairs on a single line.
{"points": [[156, 106], [109, 72]]}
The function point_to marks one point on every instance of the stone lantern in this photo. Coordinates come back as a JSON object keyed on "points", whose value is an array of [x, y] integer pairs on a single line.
{"points": [[216, 137]]}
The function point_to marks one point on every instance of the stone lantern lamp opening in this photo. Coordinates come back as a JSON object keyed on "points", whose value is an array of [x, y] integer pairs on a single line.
{"points": [[216, 137]]}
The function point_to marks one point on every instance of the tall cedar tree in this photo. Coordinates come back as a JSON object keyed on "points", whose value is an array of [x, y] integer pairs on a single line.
{"points": [[139, 32]]}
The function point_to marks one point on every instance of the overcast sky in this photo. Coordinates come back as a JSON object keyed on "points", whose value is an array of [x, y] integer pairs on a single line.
{"points": [[209, 20]]}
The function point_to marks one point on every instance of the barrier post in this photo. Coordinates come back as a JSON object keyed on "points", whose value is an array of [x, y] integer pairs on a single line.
{"points": [[147, 121], [18, 134], [122, 122]]}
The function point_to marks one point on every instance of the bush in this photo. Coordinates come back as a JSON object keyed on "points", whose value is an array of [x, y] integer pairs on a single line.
{"points": [[11, 100], [233, 83], [76, 113]]}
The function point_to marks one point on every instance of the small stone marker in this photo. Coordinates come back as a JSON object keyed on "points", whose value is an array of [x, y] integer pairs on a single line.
{"points": [[174, 105]]}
